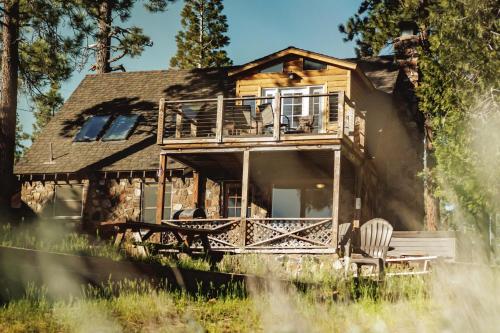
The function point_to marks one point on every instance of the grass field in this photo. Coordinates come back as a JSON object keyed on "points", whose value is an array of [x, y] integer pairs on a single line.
{"points": [[457, 298]]}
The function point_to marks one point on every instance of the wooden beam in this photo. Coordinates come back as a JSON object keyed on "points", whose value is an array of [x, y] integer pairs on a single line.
{"points": [[161, 122], [220, 118], [277, 117], [336, 197], [160, 197], [244, 195]]}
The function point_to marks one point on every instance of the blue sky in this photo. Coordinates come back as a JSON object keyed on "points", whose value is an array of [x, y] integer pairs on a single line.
{"points": [[256, 28]]}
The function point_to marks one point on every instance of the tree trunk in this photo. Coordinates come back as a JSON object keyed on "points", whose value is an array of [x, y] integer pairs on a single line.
{"points": [[431, 207], [8, 103], [103, 39]]}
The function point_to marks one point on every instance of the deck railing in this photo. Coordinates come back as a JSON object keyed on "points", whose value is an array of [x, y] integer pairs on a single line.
{"points": [[309, 234], [275, 118]]}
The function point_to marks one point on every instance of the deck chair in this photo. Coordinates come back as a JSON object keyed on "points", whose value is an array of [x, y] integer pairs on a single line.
{"points": [[374, 236], [267, 115]]}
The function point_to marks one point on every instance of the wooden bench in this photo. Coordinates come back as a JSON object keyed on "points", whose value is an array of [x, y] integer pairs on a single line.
{"points": [[440, 244]]}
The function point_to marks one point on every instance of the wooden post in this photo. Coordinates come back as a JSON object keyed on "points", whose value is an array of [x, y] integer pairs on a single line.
{"points": [[196, 189], [160, 196], [161, 122], [178, 125], [220, 118], [244, 195], [336, 197], [341, 114], [277, 117]]}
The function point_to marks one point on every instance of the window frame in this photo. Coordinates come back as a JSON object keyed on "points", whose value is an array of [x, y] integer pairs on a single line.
{"points": [[314, 62], [225, 201], [54, 198], [143, 201], [127, 133], [99, 133], [269, 69]]}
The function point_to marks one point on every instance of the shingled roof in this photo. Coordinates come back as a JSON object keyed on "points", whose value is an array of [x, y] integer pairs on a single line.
{"points": [[115, 93], [138, 92], [382, 71]]}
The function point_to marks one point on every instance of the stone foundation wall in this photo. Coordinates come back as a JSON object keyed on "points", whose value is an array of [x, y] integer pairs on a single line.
{"points": [[113, 200], [118, 200], [182, 196]]}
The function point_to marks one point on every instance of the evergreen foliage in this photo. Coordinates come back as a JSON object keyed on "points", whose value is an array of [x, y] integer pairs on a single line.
{"points": [[108, 40], [458, 90], [201, 41]]}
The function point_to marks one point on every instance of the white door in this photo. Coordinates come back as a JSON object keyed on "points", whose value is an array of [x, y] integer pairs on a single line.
{"points": [[294, 105]]}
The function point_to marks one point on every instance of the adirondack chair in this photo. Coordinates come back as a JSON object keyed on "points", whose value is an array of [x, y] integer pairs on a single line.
{"points": [[374, 238]]}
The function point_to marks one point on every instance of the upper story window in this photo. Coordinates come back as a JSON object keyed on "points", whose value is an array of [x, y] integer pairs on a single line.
{"points": [[120, 128], [313, 65], [92, 128], [277, 68], [67, 203]]}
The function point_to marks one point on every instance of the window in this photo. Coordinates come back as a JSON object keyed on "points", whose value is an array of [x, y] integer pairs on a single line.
{"points": [[232, 200], [333, 111], [286, 202], [313, 65], [120, 128], [92, 128], [292, 107], [149, 192], [302, 201], [67, 202], [316, 106], [277, 68]]}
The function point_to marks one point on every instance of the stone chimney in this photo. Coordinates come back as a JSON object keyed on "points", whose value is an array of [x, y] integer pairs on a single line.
{"points": [[405, 50]]}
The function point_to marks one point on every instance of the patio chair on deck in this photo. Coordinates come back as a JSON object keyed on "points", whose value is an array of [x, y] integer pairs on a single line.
{"points": [[267, 115], [375, 236]]}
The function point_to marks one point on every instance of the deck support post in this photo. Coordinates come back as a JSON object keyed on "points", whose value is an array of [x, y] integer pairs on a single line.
{"points": [[220, 118], [197, 190], [244, 195], [277, 117], [160, 197], [336, 198], [161, 122]]}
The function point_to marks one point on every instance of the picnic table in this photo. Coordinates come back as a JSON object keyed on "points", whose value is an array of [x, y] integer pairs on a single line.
{"points": [[185, 236]]}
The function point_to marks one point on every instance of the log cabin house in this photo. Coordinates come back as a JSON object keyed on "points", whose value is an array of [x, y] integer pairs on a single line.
{"points": [[278, 151]]}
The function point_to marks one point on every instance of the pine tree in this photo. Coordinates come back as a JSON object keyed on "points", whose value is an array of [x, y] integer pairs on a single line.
{"points": [[110, 41], [21, 136], [46, 105], [458, 61], [34, 54], [201, 41]]}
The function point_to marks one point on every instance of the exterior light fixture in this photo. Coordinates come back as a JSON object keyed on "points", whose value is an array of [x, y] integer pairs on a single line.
{"points": [[320, 185]]}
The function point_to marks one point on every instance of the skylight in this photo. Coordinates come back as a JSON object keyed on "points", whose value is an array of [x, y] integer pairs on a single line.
{"points": [[92, 128], [120, 128]]}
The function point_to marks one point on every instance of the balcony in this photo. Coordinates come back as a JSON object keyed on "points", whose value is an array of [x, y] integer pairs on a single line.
{"points": [[271, 119]]}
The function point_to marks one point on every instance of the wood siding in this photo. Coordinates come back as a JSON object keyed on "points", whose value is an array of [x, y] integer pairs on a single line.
{"points": [[334, 78]]}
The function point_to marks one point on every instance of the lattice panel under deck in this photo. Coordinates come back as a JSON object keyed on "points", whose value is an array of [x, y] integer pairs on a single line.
{"points": [[304, 233]]}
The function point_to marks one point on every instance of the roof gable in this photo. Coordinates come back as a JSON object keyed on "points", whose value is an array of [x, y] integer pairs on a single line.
{"points": [[293, 51]]}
